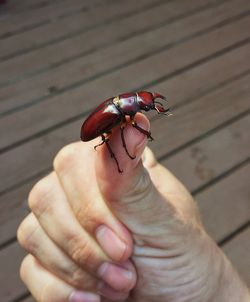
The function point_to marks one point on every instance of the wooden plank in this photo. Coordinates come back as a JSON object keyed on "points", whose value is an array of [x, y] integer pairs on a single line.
{"points": [[188, 123], [30, 90], [46, 114], [11, 24], [40, 87], [74, 25], [11, 285], [17, 7], [199, 165], [238, 251], [13, 208], [9, 271], [28, 299], [211, 156], [96, 38], [225, 206], [200, 117]]}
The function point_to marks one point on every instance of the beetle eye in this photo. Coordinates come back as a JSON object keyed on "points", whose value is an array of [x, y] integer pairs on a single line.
{"points": [[146, 108]]}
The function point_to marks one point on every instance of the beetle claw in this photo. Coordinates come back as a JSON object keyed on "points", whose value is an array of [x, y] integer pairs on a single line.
{"points": [[96, 146], [104, 139]]}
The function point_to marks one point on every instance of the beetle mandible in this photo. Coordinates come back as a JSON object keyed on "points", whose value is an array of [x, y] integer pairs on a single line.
{"points": [[113, 112]]}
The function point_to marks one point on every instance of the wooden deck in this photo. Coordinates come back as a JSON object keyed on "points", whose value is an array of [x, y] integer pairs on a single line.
{"points": [[59, 59]]}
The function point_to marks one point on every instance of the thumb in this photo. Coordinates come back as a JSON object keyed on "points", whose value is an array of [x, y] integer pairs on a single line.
{"points": [[131, 195]]}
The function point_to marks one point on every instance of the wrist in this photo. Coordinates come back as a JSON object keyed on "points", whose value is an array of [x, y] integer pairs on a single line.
{"points": [[222, 280], [230, 286], [216, 280]]}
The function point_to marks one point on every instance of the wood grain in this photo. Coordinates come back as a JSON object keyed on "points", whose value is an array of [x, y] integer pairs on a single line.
{"points": [[238, 250], [46, 114], [75, 73], [225, 206], [10, 260], [100, 61], [84, 43], [96, 17], [15, 20]]}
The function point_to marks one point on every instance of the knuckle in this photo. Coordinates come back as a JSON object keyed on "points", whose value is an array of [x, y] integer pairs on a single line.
{"points": [[38, 199], [80, 279], [76, 276], [46, 293], [148, 158], [26, 235], [65, 158], [81, 251], [49, 287], [25, 268]]}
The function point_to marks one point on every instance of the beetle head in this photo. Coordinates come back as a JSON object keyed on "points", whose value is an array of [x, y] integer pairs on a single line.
{"points": [[147, 101]]}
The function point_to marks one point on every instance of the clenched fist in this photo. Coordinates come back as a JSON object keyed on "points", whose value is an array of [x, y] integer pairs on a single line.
{"points": [[94, 234]]}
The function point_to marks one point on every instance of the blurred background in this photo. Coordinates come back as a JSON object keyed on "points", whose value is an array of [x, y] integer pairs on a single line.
{"points": [[61, 58]]}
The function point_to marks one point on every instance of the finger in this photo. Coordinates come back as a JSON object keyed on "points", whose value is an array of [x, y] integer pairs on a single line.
{"points": [[111, 294], [36, 242], [117, 276], [148, 159], [46, 287], [49, 204], [75, 168], [135, 143], [136, 195], [55, 216]]}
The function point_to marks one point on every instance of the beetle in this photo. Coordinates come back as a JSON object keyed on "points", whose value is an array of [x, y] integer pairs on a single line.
{"points": [[113, 112]]}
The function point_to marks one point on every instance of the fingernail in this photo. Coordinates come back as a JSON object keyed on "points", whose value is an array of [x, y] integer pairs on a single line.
{"points": [[112, 245], [117, 277], [80, 296]]}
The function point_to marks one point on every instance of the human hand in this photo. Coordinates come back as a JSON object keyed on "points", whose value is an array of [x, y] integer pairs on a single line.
{"points": [[74, 232]]}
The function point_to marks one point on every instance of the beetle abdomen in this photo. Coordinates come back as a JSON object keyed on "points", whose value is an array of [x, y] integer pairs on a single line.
{"points": [[102, 120]]}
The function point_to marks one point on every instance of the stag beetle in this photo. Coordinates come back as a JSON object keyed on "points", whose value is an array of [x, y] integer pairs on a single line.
{"points": [[113, 112]]}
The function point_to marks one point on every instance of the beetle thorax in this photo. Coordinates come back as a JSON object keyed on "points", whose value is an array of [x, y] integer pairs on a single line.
{"points": [[127, 105]]}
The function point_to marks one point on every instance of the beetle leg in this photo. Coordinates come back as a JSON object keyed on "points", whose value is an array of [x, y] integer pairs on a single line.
{"points": [[103, 141], [123, 140], [147, 133], [112, 154], [106, 140]]}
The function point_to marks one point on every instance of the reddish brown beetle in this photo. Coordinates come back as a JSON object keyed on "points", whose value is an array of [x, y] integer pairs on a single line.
{"points": [[113, 112]]}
